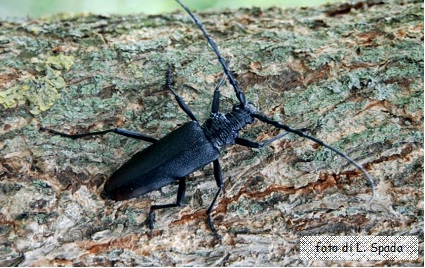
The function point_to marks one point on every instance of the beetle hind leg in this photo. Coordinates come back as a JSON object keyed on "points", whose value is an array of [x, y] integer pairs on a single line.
{"points": [[180, 196], [219, 180], [119, 131]]}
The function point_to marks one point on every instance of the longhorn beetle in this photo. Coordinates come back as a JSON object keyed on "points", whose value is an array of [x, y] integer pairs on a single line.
{"points": [[191, 146]]}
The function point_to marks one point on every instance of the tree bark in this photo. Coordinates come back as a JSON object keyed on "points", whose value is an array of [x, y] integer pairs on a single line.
{"points": [[350, 74]]}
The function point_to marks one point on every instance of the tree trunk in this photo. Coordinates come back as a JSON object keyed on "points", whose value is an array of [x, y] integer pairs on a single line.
{"points": [[349, 74]]}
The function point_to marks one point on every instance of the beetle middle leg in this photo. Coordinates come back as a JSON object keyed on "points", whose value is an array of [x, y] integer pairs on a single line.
{"points": [[180, 196]]}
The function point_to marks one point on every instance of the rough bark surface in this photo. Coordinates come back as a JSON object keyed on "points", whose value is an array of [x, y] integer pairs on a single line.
{"points": [[352, 74]]}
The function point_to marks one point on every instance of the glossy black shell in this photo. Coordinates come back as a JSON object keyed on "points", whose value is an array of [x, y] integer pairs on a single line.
{"points": [[175, 156]]}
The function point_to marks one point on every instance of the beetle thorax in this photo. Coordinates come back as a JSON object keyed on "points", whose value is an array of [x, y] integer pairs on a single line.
{"points": [[222, 129]]}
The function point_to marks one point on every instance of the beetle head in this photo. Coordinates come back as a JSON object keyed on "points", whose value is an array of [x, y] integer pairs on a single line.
{"points": [[244, 113]]}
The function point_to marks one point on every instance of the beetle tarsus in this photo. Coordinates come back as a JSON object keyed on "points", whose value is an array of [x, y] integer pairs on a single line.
{"points": [[151, 218], [212, 227]]}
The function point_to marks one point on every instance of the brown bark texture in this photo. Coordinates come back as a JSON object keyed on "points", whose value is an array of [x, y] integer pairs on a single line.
{"points": [[349, 74]]}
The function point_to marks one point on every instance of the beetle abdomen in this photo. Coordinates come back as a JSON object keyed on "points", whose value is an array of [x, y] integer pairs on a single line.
{"points": [[169, 159]]}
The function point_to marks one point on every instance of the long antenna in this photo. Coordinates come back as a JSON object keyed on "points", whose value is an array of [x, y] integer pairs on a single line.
{"points": [[267, 120], [239, 94]]}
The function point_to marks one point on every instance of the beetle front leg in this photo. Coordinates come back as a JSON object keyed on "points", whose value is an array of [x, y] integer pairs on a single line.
{"points": [[180, 101], [253, 144], [180, 196], [216, 98], [219, 180]]}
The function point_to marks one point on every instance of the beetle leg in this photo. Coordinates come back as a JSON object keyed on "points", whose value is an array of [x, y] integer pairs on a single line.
{"points": [[120, 131], [253, 144], [180, 196], [219, 180], [179, 100], [216, 98]]}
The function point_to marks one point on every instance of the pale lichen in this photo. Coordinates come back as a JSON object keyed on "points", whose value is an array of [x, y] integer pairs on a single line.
{"points": [[42, 90]]}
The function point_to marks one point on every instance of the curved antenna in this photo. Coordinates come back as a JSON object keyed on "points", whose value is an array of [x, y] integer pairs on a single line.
{"points": [[267, 120], [239, 94]]}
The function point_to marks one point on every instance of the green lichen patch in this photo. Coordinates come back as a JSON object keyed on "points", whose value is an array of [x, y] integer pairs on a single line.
{"points": [[40, 91], [60, 62], [44, 92], [13, 96]]}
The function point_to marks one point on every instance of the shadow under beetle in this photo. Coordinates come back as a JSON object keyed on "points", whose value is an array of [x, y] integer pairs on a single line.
{"points": [[191, 146]]}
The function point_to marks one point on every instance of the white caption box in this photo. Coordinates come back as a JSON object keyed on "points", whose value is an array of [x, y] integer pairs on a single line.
{"points": [[358, 248]]}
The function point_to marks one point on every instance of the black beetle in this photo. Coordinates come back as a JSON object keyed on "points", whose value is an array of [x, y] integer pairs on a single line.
{"points": [[191, 146]]}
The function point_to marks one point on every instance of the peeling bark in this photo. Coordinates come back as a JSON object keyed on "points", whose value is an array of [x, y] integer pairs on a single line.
{"points": [[352, 74]]}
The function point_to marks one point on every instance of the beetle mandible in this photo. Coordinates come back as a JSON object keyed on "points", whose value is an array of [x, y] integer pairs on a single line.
{"points": [[191, 146]]}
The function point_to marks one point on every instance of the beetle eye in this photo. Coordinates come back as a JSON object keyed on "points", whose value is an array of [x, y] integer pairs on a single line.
{"points": [[236, 108]]}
